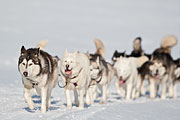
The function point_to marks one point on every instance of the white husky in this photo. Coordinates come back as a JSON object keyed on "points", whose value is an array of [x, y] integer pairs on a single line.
{"points": [[126, 73], [75, 73]]}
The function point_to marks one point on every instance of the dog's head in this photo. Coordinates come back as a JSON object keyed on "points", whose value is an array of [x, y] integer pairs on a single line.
{"points": [[117, 55], [157, 70], [69, 62], [29, 63], [95, 67], [123, 70]]}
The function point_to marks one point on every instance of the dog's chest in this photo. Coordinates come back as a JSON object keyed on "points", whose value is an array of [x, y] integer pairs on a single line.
{"points": [[36, 81]]}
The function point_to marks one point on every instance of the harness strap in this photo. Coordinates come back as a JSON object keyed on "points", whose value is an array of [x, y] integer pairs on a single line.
{"points": [[75, 84], [34, 83]]}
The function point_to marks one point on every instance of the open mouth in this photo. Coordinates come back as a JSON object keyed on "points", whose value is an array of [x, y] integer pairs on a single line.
{"points": [[121, 81], [157, 76], [68, 72]]}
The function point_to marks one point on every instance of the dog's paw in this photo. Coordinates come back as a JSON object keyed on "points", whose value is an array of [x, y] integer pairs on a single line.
{"points": [[163, 97], [31, 107], [43, 110]]}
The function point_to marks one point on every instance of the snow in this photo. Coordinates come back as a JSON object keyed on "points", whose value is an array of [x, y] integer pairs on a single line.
{"points": [[74, 25]]}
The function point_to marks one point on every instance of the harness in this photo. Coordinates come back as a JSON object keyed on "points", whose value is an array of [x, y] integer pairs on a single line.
{"points": [[34, 83], [68, 80], [95, 79]]}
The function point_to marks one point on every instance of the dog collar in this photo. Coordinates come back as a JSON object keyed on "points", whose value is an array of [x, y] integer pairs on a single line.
{"points": [[33, 82], [99, 77]]}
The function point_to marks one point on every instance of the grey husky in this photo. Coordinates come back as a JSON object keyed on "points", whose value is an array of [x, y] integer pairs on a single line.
{"points": [[39, 70]]}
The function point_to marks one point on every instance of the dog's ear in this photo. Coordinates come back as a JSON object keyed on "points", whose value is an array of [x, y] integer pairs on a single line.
{"points": [[23, 50], [66, 52], [76, 52], [97, 60], [37, 53], [87, 54]]}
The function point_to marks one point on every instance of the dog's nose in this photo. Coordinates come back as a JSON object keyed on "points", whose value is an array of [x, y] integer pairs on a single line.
{"points": [[157, 71], [120, 77], [67, 66], [25, 74]]}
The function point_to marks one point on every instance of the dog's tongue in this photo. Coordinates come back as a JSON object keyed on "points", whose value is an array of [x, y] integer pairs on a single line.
{"points": [[122, 82], [157, 76], [68, 72]]}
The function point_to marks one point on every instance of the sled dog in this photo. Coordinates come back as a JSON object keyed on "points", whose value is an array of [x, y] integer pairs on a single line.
{"points": [[75, 74], [101, 71], [39, 70]]}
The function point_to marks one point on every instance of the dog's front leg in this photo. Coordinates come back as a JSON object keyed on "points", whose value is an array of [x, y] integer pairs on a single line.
{"points": [[76, 98], [89, 96], [175, 90], [152, 89], [119, 88], [81, 100], [28, 98], [43, 99], [139, 86], [104, 94], [164, 87], [129, 91], [68, 98]]}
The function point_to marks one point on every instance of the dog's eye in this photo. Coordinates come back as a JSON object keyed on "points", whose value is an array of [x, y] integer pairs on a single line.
{"points": [[97, 68], [65, 61], [71, 61], [23, 64], [91, 69], [30, 64]]}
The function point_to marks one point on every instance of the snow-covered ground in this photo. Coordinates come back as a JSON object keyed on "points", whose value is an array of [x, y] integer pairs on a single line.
{"points": [[73, 24]]}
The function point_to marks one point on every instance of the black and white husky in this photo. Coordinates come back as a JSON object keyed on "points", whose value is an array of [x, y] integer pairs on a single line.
{"points": [[160, 70], [39, 70], [101, 71]]}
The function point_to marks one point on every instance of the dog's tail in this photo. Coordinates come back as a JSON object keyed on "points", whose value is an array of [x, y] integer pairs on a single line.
{"points": [[42, 44], [141, 60], [99, 47], [168, 42]]}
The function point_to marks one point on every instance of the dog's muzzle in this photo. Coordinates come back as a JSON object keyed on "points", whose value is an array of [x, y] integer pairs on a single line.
{"points": [[122, 82], [25, 74], [68, 71]]}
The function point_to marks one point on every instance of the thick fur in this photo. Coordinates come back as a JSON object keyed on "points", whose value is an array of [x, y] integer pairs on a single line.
{"points": [[162, 62], [156, 73], [168, 42], [177, 69], [126, 73], [42, 44], [39, 70], [176, 73], [75, 74], [100, 50], [101, 72]]}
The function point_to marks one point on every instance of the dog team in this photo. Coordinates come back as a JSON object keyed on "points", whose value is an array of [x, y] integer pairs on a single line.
{"points": [[88, 74]]}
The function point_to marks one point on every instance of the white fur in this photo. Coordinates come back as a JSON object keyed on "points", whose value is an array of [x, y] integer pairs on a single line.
{"points": [[127, 69], [79, 63]]}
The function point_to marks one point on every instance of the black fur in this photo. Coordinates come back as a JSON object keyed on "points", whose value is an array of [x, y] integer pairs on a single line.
{"points": [[93, 58], [34, 54]]}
